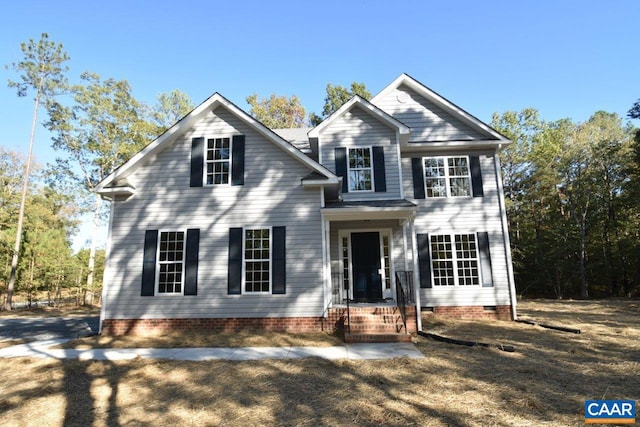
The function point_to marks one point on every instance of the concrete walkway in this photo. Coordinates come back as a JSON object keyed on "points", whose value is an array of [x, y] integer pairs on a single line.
{"points": [[42, 349]]}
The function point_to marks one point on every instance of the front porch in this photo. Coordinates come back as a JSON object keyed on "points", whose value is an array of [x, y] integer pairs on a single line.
{"points": [[385, 320]]}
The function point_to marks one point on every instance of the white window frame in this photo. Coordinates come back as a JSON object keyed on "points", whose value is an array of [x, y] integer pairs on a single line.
{"points": [[207, 162], [159, 263], [244, 260], [455, 261], [350, 169], [447, 177]]}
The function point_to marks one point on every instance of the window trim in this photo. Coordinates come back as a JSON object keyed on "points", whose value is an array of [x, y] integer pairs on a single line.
{"points": [[243, 284], [454, 259], [158, 263], [447, 177], [207, 162], [371, 169]]}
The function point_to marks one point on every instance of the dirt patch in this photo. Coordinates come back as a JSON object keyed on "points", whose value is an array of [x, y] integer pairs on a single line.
{"points": [[544, 383]]}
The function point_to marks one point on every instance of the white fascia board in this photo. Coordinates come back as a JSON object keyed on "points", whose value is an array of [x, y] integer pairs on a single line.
{"points": [[116, 191], [158, 144], [277, 139], [366, 106], [214, 101], [363, 213], [456, 145], [309, 183], [445, 104]]}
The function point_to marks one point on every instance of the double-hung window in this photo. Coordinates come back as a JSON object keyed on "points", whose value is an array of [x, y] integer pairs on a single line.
{"points": [[360, 169], [218, 160], [447, 176], [171, 262], [257, 260], [455, 260]]}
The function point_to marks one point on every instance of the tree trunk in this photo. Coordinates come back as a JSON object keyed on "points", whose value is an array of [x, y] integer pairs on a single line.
{"points": [[584, 290], [23, 202], [88, 297]]}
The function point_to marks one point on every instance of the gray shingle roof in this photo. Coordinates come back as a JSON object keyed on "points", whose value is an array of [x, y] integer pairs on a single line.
{"points": [[296, 136]]}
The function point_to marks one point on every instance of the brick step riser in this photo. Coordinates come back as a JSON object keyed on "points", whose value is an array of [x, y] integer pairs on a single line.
{"points": [[375, 329], [372, 310], [371, 318], [373, 338]]}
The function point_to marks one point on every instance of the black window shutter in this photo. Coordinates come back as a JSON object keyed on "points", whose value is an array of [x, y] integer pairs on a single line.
{"points": [[341, 167], [418, 177], [424, 260], [476, 176], [485, 259], [279, 284], [197, 161], [234, 285], [191, 262], [380, 179], [237, 160], [149, 263]]}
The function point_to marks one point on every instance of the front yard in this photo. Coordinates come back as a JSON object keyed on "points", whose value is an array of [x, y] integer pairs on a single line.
{"points": [[545, 382]]}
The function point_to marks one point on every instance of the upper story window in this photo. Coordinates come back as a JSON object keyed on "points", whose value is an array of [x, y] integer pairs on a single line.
{"points": [[447, 176], [218, 160], [360, 169], [170, 262]]}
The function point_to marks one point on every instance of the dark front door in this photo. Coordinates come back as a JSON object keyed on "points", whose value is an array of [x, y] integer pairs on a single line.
{"points": [[365, 257]]}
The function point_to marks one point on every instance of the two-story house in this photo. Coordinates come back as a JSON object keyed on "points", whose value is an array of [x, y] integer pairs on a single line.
{"points": [[390, 204]]}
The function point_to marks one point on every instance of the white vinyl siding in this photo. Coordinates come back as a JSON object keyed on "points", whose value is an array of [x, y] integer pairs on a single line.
{"points": [[272, 195], [428, 122], [357, 129], [463, 215]]}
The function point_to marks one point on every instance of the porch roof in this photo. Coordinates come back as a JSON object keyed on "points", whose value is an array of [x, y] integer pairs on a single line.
{"points": [[373, 209]]}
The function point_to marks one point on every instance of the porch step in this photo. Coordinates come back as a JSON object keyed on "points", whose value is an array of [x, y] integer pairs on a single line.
{"points": [[374, 324]]}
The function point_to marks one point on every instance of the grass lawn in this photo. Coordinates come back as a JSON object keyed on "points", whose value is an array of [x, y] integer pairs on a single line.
{"points": [[545, 382]]}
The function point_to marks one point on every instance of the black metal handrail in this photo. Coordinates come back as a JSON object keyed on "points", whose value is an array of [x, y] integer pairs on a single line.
{"points": [[401, 300], [338, 283], [404, 293]]}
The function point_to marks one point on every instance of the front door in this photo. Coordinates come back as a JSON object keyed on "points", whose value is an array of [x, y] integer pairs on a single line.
{"points": [[365, 257]]}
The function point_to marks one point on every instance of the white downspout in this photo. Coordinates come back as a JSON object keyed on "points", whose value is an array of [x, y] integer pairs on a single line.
{"points": [[106, 274], [507, 242], [416, 275]]}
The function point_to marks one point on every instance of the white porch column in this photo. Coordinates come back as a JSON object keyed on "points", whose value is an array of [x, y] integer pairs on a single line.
{"points": [[416, 273], [326, 263]]}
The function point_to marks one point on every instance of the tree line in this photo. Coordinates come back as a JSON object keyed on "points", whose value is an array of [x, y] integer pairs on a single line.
{"points": [[572, 189]]}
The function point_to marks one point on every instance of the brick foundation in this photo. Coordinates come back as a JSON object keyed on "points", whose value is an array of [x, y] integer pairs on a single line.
{"points": [[147, 327], [500, 312]]}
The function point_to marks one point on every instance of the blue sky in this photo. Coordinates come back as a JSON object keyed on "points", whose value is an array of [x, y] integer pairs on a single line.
{"points": [[565, 58]]}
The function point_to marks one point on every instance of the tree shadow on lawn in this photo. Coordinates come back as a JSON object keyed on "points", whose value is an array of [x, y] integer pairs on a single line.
{"points": [[545, 382]]}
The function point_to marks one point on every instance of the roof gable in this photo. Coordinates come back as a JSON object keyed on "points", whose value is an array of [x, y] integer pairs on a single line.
{"points": [[358, 102], [413, 102], [170, 135]]}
